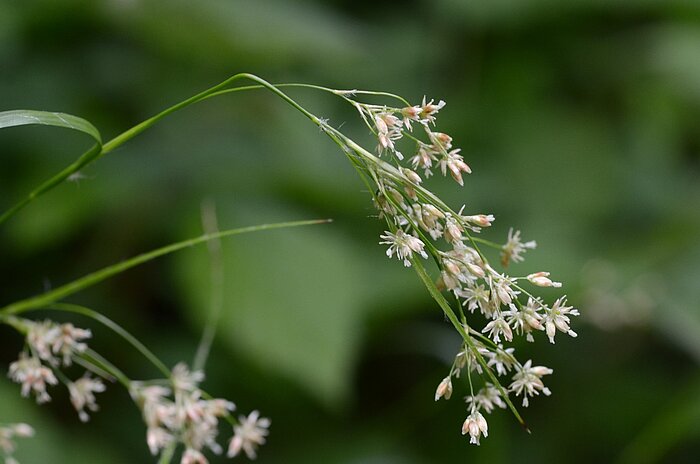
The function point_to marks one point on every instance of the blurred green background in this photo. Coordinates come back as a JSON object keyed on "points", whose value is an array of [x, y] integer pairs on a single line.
{"points": [[580, 119]]}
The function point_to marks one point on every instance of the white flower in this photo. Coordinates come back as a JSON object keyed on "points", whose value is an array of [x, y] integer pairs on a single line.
{"points": [[404, 245], [184, 379], [483, 220], [248, 434], [424, 159], [557, 317], [33, 376], [158, 438], [541, 279], [477, 296], [514, 248], [528, 381], [388, 130], [49, 339], [526, 319], [444, 389], [82, 395], [41, 337], [487, 398], [69, 343], [498, 327], [453, 231], [501, 291], [453, 162], [410, 114], [475, 426], [193, 456], [429, 110], [181, 415], [411, 176], [502, 359], [428, 218]]}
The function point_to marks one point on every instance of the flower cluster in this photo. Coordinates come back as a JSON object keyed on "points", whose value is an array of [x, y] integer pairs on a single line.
{"points": [[421, 225], [8, 433], [181, 413], [51, 346]]}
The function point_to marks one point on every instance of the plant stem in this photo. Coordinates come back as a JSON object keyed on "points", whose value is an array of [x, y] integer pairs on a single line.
{"points": [[96, 277]]}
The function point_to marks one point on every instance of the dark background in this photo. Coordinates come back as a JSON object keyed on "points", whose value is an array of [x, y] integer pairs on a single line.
{"points": [[580, 120]]}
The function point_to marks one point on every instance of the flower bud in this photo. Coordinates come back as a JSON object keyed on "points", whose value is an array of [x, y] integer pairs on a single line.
{"points": [[444, 389], [541, 279]]}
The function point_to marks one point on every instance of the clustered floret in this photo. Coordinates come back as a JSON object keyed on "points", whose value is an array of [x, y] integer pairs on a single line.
{"points": [[418, 220], [182, 413], [176, 411], [50, 346]]}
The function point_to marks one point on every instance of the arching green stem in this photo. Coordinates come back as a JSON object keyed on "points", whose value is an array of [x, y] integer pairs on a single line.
{"points": [[89, 280]]}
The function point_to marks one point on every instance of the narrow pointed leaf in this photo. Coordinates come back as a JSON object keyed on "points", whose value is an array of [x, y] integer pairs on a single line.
{"points": [[28, 117]]}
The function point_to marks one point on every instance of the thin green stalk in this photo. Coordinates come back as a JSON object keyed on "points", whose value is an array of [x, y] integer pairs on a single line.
{"points": [[85, 159], [116, 328], [216, 298], [95, 358], [449, 313], [487, 243], [98, 151], [167, 455], [89, 280]]}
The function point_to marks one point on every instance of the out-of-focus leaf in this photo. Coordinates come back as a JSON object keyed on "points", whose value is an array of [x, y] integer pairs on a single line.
{"points": [[230, 29], [293, 304], [678, 421]]}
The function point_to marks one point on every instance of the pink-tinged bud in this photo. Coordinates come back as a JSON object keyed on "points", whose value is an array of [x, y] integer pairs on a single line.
{"points": [[483, 220], [411, 112], [533, 322], [451, 267], [449, 281], [539, 371], [442, 140], [411, 176], [541, 279], [476, 270], [456, 168], [453, 232], [396, 196], [381, 125], [411, 193], [475, 425], [444, 389]]}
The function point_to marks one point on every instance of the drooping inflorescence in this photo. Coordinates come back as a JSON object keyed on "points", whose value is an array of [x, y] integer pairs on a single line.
{"points": [[176, 411], [421, 225]]}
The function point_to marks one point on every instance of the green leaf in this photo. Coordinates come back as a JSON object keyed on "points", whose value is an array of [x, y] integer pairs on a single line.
{"points": [[28, 117], [294, 304]]}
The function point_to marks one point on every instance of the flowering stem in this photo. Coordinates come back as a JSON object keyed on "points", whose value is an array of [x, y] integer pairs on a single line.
{"points": [[449, 313], [133, 341], [487, 242], [99, 150], [92, 357], [96, 277]]}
